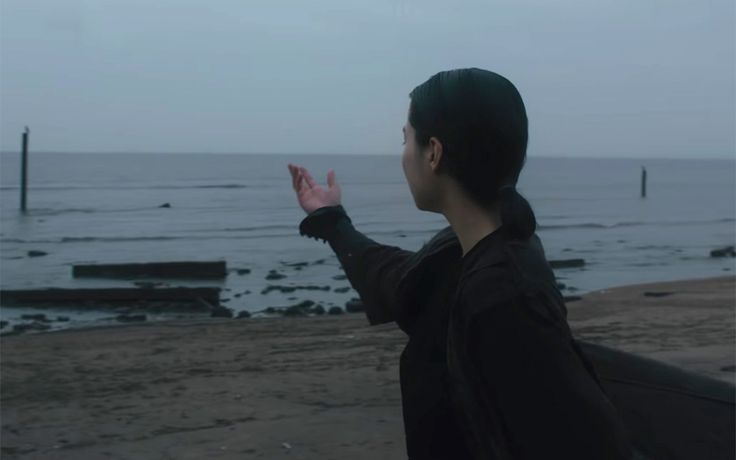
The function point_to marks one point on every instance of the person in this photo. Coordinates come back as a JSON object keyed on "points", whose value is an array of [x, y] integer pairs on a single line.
{"points": [[490, 369]]}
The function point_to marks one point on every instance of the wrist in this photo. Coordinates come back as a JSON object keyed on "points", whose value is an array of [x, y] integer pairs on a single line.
{"points": [[323, 222]]}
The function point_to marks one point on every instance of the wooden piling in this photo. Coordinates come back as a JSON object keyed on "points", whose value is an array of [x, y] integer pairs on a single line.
{"points": [[643, 182], [24, 169]]}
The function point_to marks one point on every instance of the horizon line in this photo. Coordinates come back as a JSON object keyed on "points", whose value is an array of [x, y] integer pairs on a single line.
{"points": [[560, 156]]}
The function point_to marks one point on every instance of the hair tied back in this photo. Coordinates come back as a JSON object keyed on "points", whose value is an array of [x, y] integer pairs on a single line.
{"points": [[516, 213]]}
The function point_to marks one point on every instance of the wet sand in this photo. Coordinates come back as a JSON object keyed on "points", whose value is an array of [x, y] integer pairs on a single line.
{"points": [[299, 388]]}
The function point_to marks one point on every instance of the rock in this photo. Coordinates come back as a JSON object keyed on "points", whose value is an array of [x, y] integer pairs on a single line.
{"points": [[243, 314], [657, 294], [221, 312], [571, 298], [342, 289], [243, 271], [335, 311], [35, 326], [274, 275], [3, 323], [729, 369], [271, 310], [238, 295], [295, 264], [283, 289], [62, 318], [34, 253], [288, 289], [36, 317], [225, 300], [354, 306], [317, 310], [567, 263], [300, 309], [305, 304], [165, 205], [340, 277], [728, 251], [319, 262], [131, 318], [294, 310]]}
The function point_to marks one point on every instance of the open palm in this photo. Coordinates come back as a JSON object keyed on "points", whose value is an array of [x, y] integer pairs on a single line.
{"points": [[310, 194]]}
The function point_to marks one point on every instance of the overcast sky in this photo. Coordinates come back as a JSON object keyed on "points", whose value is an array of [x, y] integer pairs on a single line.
{"points": [[613, 78]]}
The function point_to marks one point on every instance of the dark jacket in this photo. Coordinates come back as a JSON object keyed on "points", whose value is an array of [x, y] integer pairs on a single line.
{"points": [[517, 384], [524, 389]]}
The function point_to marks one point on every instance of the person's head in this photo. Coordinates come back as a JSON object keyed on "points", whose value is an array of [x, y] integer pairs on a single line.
{"points": [[469, 126]]}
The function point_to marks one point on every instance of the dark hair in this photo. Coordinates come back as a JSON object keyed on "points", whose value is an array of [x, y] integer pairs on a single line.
{"points": [[480, 119]]}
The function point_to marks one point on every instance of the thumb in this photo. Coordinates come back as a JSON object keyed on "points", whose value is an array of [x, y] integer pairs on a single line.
{"points": [[331, 181]]}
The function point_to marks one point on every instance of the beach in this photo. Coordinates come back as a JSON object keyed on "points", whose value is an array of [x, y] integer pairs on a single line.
{"points": [[300, 388]]}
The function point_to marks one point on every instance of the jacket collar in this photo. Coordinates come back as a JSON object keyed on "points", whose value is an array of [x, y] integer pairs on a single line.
{"points": [[489, 250]]}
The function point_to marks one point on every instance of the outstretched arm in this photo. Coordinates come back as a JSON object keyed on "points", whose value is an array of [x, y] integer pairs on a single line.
{"points": [[373, 269]]}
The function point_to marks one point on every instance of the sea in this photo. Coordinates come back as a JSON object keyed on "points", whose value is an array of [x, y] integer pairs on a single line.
{"points": [[240, 208]]}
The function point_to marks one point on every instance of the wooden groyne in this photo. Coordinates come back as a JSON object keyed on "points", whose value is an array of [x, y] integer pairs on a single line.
{"points": [[179, 270], [202, 298]]}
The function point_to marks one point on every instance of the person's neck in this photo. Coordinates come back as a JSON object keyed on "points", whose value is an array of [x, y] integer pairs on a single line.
{"points": [[470, 221]]}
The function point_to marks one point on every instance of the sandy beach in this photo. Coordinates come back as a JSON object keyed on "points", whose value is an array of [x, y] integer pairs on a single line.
{"points": [[299, 388]]}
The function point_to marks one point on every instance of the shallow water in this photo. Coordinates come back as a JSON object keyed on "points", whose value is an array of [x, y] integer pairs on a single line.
{"points": [[86, 208]]}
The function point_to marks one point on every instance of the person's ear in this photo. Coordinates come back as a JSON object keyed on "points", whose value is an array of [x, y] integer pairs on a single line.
{"points": [[435, 153]]}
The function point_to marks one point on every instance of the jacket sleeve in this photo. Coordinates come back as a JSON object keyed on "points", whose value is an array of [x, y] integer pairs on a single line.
{"points": [[373, 269], [547, 403]]}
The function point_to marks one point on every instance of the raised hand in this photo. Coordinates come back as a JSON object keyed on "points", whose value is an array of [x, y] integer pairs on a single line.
{"points": [[312, 196]]}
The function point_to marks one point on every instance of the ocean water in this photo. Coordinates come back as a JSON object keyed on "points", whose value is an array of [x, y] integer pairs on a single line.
{"points": [[104, 208]]}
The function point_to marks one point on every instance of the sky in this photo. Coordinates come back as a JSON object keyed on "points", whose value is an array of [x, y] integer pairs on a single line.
{"points": [[608, 78]]}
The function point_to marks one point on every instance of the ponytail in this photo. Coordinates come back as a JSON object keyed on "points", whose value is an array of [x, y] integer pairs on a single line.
{"points": [[517, 215]]}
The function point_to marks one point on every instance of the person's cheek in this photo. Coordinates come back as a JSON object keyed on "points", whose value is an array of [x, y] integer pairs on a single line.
{"points": [[403, 163]]}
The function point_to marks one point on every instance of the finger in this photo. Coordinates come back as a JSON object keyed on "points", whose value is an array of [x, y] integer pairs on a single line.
{"points": [[299, 182], [308, 177], [331, 182], [294, 177]]}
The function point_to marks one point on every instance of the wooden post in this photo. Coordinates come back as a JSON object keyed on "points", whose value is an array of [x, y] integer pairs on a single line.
{"points": [[24, 170], [643, 182]]}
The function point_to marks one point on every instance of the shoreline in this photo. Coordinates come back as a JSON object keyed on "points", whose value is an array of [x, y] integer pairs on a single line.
{"points": [[125, 317], [283, 387]]}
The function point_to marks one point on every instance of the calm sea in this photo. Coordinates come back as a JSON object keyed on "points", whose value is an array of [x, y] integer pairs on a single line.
{"points": [[104, 208]]}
